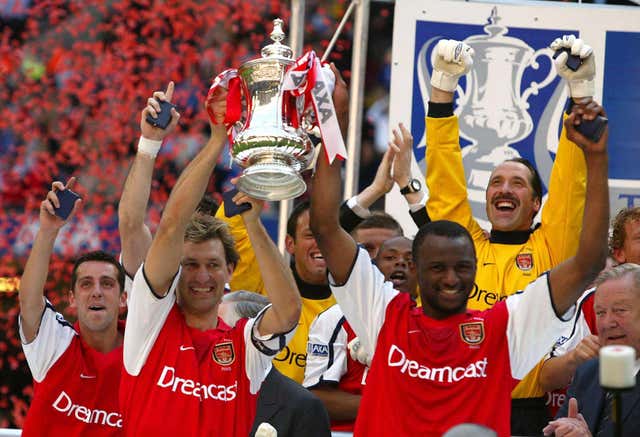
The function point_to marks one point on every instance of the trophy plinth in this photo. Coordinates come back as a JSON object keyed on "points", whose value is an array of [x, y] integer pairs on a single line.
{"points": [[272, 151]]}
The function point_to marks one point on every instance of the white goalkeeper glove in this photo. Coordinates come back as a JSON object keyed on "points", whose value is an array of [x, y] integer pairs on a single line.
{"points": [[358, 353], [581, 82], [451, 59], [266, 430]]}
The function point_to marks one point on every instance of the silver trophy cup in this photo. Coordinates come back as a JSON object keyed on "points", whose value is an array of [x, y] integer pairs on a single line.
{"points": [[270, 149]]}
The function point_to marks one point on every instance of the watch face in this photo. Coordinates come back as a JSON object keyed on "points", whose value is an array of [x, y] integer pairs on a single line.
{"points": [[415, 185]]}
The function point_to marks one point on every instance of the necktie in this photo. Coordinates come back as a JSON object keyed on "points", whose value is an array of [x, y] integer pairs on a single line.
{"points": [[605, 424]]}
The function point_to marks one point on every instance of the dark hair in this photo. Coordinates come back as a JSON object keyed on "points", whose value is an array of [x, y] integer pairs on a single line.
{"points": [[618, 231], [246, 304], [207, 205], [292, 222], [98, 255], [441, 228], [379, 220], [535, 180]]}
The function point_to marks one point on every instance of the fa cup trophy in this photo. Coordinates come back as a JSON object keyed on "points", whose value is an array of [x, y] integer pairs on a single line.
{"points": [[271, 147]]}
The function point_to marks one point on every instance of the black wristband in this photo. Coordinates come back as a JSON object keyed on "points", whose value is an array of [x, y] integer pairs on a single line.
{"points": [[569, 106], [440, 110]]}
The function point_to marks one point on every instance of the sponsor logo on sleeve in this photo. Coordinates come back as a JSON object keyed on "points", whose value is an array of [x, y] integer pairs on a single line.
{"points": [[472, 333], [318, 349], [223, 353], [524, 261]]}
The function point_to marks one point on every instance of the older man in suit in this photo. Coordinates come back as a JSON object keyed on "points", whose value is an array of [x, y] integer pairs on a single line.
{"points": [[617, 309]]}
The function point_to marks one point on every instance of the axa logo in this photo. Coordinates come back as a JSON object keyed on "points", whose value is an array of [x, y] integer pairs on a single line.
{"points": [[188, 387], [397, 358], [318, 349], [65, 405]]}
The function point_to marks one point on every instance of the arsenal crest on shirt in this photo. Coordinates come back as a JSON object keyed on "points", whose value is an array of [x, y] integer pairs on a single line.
{"points": [[472, 333], [223, 353], [524, 261]]}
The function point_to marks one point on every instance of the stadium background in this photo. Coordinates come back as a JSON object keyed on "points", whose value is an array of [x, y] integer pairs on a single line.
{"points": [[74, 76]]}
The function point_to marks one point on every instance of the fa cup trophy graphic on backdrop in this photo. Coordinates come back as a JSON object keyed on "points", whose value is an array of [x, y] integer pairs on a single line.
{"points": [[493, 109]]}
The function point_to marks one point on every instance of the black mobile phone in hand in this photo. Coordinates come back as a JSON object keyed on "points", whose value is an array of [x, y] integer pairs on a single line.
{"points": [[573, 61], [593, 129], [67, 199], [164, 116], [230, 207]]}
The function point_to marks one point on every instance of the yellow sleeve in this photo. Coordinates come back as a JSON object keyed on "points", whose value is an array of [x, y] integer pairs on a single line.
{"points": [[561, 219], [246, 275], [445, 175]]}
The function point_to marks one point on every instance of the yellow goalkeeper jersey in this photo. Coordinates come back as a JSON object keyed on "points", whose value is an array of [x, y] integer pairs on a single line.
{"points": [[507, 261]]}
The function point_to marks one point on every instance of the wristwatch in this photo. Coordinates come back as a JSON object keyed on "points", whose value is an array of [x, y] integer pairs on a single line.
{"points": [[413, 186]]}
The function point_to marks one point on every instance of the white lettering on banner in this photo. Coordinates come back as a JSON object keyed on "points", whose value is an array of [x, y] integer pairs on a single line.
{"points": [[397, 358], [64, 404], [189, 387]]}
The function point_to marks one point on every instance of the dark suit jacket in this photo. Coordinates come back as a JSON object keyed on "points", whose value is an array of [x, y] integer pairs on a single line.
{"points": [[586, 389], [290, 408]]}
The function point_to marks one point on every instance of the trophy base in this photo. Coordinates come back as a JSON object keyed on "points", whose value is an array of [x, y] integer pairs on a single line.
{"points": [[271, 181]]}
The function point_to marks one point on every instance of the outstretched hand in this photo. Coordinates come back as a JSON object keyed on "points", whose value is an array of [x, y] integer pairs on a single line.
{"points": [[48, 218], [402, 144], [153, 108]]}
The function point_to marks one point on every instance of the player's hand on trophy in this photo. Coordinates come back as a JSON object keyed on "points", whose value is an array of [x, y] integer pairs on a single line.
{"points": [[358, 352], [153, 109], [581, 81], [251, 215], [216, 104], [340, 98], [451, 59]]}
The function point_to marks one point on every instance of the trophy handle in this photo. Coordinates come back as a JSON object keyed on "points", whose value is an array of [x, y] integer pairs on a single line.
{"points": [[534, 87]]}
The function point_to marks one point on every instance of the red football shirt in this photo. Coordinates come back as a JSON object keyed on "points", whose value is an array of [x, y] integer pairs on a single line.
{"points": [[183, 381], [429, 375], [75, 386]]}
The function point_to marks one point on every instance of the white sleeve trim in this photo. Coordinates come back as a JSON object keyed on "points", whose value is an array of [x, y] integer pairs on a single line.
{"points": [[326, 349], [146, 316], [358, 210], [52, 339], [533, 325], [364, 299], [580, 330], [260, 350]]}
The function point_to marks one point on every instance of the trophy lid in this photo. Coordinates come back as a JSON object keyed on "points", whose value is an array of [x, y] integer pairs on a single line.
{"points": [[277, 49]]}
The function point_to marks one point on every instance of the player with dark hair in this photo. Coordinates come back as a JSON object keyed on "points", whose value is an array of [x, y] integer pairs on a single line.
{"points": [[442, 365], [76, 368], [516, 251]]}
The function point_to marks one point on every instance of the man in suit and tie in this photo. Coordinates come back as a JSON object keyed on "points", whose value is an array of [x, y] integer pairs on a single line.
{"points": [[617, 310]]}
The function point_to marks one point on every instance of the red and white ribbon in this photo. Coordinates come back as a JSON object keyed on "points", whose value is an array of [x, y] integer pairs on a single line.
{"points": [[306, 77]]}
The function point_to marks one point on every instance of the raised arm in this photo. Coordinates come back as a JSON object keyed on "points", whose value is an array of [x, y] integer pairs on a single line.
{"points": [[561, 216], [135, 237], [163, 258], [336, 245], [37, 267], [281, 288], [570, 278]]}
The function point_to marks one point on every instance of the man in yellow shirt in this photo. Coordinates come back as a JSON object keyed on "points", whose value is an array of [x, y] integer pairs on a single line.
{"points": [[515, 252]]}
